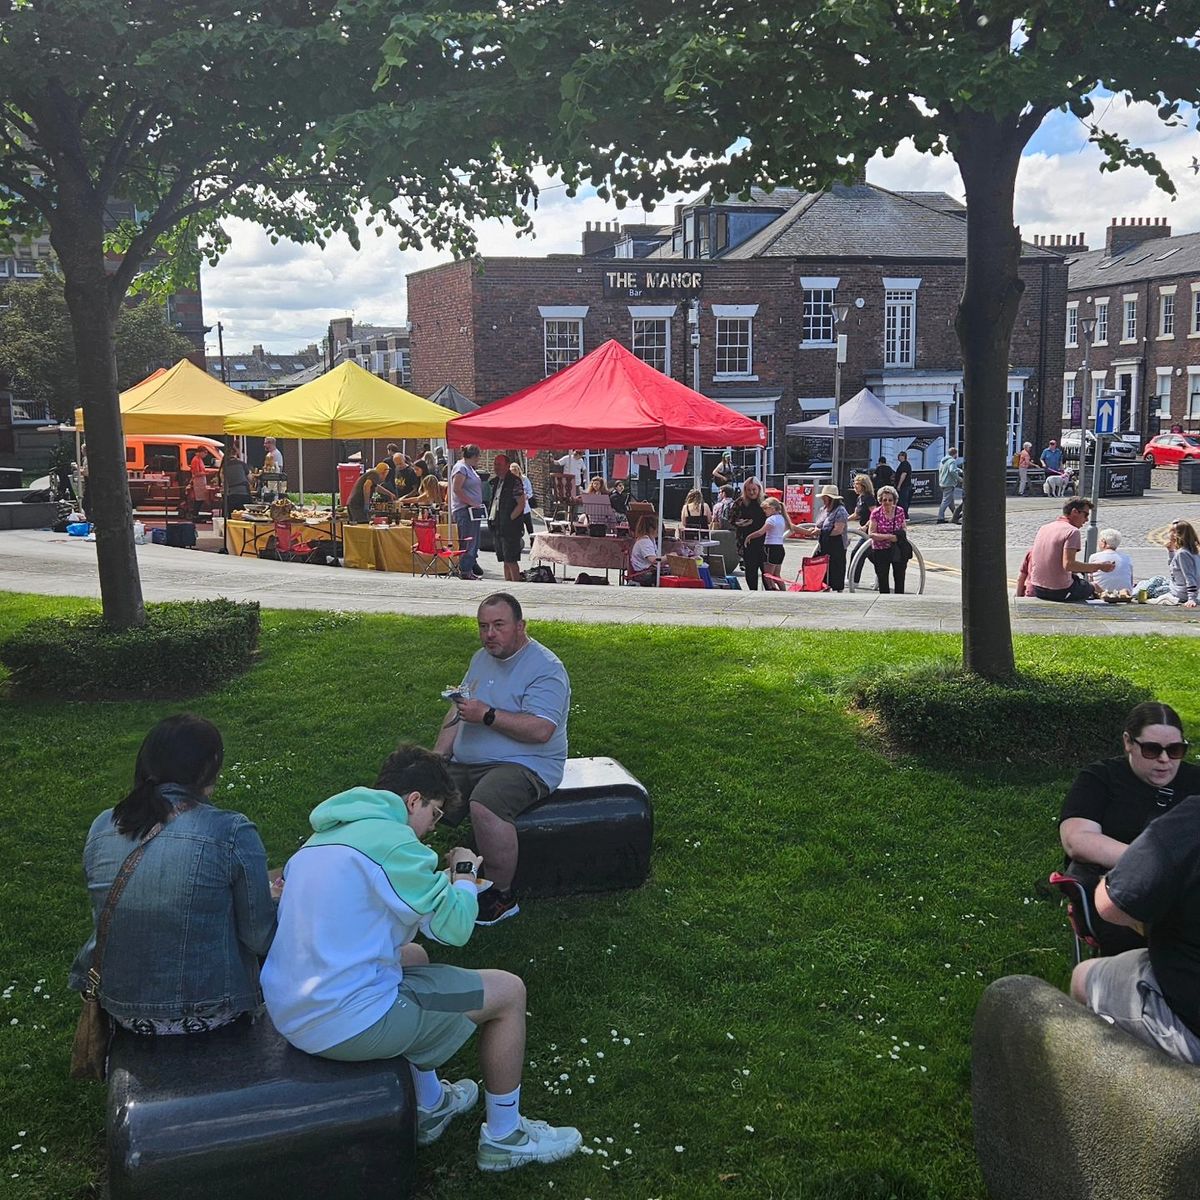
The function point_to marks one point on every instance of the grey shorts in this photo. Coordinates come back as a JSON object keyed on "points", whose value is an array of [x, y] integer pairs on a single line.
{"points": [[505, 789], [1123, 989], [428, 1022]]}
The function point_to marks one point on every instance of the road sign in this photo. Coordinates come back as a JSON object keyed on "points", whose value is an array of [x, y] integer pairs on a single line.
{"points": [[1106, 414], [833, 418]]}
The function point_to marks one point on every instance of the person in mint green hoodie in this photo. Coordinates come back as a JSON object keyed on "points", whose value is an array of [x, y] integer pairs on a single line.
{"points": [[345, 979]]}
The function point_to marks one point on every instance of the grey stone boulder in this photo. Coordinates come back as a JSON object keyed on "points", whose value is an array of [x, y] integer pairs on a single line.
{"points": [[1068, 1107], [28, 516]]}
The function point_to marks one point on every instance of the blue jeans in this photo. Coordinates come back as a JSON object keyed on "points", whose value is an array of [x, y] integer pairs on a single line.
{"points": [[467, 527]]}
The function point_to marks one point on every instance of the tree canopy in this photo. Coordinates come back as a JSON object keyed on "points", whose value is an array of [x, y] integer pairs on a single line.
{"points": [[194, 112], [37, 351]]}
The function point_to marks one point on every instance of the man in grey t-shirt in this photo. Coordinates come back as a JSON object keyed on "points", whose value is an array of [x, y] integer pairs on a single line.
{"points": [[505, 741]]}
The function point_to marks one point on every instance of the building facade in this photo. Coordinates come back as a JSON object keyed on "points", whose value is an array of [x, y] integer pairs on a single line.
{"points": [[381, 349], [737, 300], [1143, 292]]}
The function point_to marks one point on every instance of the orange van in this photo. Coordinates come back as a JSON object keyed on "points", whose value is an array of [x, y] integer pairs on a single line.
{"points": [[166, 453]]}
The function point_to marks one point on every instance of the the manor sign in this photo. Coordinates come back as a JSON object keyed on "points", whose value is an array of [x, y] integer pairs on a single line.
{"points": [[639, 282]]}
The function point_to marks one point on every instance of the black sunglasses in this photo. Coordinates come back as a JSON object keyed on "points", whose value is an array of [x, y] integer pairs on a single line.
{"points": [[1175, 751]]}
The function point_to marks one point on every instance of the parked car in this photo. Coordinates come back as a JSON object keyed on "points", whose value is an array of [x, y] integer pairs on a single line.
{"points": [[1115, 449], [1170, 449]]}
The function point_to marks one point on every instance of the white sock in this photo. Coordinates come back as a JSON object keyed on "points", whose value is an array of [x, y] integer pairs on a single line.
{"points": [[503, 1112], [429, 1088]]}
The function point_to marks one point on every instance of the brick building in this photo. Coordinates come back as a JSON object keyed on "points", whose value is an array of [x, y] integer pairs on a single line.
{"points": [[1143, 291], [382, 350], [737, 300]]}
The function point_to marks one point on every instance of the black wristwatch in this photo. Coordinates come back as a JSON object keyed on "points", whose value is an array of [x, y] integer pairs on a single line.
{"points": [[465, 868], [489, 717]]}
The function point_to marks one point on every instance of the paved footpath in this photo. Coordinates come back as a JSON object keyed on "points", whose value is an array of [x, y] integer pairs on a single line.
{"points": [[57, 565]]}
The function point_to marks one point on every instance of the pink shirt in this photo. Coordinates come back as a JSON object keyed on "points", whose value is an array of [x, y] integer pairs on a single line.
{"points": [[1023, 460], [884, 525], [1046, 568]]}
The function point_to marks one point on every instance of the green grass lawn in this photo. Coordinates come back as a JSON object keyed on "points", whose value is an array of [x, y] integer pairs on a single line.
{"points": [[783, 1011]]}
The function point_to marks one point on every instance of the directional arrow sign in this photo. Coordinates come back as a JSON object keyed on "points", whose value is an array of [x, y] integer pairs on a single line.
{"points": [[1106, 414]]}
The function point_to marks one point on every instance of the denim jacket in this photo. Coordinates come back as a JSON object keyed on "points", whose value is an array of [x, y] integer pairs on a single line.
{"points": [[193, 921]]}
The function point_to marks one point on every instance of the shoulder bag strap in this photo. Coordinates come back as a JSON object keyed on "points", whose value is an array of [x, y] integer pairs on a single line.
{"points": [[110, 903]]}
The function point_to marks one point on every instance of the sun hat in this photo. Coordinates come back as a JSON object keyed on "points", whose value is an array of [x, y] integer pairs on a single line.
{"points": [[830, 491]]}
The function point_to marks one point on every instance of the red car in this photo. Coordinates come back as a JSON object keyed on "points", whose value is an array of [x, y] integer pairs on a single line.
{"points": [[1170, 449]]}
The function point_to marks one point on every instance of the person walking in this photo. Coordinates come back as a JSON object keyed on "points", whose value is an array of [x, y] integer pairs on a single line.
{"points": [[747, 516], [1024, 462], [950, 475], [889, 541], [466, 509]]}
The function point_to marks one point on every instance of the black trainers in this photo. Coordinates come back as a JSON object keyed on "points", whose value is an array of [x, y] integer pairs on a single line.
{"points": [[496, 906]]}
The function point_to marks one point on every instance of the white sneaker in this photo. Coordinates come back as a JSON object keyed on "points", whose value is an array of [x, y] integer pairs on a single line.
{"points": [[456, 1098], [531, 1141]]}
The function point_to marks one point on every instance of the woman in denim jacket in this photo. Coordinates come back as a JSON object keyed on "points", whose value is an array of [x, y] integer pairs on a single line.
{"points": [[189, 929]]}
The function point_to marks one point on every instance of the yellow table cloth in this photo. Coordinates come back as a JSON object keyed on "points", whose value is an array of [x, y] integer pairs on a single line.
{"points": [[247, 538], [389, 548]]}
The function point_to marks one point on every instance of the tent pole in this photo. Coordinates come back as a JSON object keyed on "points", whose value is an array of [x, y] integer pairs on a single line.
{"points": [[300, 452], [696, 470], [662, 492]]}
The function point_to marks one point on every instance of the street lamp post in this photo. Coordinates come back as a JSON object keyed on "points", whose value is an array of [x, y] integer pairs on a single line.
{"points": [[840, 312]]}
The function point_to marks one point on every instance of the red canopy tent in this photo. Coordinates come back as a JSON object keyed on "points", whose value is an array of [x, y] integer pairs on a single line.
{"points": [[608, 400]]}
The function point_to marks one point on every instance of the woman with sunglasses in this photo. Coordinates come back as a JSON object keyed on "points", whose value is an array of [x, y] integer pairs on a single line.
{"points": [[1112, 801]]}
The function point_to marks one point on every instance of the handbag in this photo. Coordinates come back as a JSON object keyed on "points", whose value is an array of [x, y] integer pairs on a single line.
{"points": [[93, 1031], [902, 549]]}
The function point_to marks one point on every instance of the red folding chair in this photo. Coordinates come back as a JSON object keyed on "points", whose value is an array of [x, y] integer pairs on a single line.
{"points": [[1079, 912], [811, 577], [428, 544], [289, 547]]}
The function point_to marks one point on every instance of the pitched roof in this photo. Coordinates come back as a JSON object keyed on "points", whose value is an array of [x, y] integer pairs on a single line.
{"points": [[864, 221], [1156, 258]]}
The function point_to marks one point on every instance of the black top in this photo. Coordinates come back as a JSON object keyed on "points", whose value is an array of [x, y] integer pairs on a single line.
{"points": [[862, 510], [903, 474], [406, 480], [619, 501], [506, 489], [746, 516], [883, 476], [1157, 882], [1109, 793], [694, 520]]}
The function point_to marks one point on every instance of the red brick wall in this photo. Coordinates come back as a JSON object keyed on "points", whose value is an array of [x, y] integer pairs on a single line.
{"points": [[442, 340]]}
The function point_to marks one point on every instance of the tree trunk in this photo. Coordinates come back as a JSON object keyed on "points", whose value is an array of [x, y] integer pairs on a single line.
{"points": [[988, 155], [77, 237]]}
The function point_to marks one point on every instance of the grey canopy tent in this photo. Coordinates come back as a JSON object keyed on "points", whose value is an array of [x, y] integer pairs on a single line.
{"points": [[865, 416], [448, 396]]}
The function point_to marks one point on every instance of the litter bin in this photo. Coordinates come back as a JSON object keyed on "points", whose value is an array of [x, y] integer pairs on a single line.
{"points": [[1189, 476], [348, 474], [799, 496]]}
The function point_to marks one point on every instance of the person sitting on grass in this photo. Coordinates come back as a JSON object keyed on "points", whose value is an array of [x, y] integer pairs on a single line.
{"points": [[1183, 571], [346, 981], [1113, 800], [1153, 993], [1056, 572], [1121, 576]]}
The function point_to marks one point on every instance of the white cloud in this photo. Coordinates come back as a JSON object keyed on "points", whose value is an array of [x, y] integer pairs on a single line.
{"points": [[284, 296]]}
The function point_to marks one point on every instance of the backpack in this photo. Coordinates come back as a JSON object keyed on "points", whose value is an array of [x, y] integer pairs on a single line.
{"points": [[539, 574]]}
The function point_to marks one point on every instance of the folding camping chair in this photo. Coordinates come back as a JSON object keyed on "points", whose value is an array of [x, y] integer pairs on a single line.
{"points": [[289, 547], [1079, 912], [428, 544], [810, 577]]}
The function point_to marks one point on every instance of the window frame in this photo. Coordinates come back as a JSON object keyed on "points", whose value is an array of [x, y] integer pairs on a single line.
{"points": [[1129, 319], [896, 303], [1166, 314], [1070, 383], [1163, 373], [1073, 324], [1101, 323], [664, 331], [724, 326], [577, 323]]}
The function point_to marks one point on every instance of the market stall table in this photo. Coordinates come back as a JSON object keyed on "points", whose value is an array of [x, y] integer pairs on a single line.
{"points": [[390, 548], [596, 553], [247, 537]]}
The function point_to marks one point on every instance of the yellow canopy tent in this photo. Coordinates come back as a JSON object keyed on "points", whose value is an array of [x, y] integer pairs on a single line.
{"points": [[346, 403], [183, 399]]}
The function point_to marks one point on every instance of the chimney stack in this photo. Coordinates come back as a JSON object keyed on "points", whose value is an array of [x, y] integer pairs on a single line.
{"points": [[1131, 231], [258, 352]]}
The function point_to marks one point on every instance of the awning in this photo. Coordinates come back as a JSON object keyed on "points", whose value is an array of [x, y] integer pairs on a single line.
{"points": [[865, 416]]}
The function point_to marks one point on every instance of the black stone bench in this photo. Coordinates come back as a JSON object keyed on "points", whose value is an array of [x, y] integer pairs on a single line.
{"points": [[1068, 1107], [16, 515], [238, 1114], [592, 834]]}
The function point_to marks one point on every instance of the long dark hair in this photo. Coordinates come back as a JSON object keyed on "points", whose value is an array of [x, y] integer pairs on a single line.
{"points": [[1151, 713], [184, 749]]}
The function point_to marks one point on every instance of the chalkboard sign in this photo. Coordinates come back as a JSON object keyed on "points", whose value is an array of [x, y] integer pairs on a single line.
{"points": [[1119, 482], [924, 487]]}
